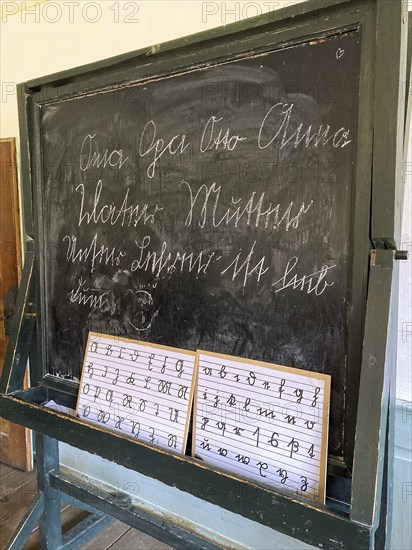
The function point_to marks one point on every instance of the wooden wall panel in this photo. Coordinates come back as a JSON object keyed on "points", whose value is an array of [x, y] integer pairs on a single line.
{"points": [[15, 448]]}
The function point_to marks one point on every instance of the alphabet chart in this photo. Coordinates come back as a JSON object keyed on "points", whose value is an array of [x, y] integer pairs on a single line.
{"points": [[140, 390], [265, 422]]}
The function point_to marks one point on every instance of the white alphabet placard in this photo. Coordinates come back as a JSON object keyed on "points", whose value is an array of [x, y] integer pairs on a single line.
{"points": [[140, 390], [265, 422]]}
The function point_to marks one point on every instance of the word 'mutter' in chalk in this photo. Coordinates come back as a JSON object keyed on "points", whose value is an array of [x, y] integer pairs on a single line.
{"points": [[266, 422], [139, 390]]}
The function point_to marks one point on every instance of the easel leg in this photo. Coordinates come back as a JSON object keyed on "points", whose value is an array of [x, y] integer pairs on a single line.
{"points": [[381, 533], [47, 460], [45, 512], [26, 526]]}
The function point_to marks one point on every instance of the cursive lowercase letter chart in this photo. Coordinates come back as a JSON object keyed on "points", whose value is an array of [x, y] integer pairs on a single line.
{"points": [[264, 422]]}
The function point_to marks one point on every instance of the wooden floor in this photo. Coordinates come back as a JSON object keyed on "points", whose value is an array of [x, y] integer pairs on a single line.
{"points": [[17, 492]]}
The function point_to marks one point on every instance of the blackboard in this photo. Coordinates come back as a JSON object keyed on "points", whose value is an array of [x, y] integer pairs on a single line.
{"points": [[209, 209]]}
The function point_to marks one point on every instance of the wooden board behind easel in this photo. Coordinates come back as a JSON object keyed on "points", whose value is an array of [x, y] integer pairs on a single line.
{"points": [[14, 439]]}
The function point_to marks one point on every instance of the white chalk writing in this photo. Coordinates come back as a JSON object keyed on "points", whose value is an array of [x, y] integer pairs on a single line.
{"points": [[89, 158], [314, 282], [308, 136], [158, 147], [92, 253], [127, 214], [157, 262], [215, 138], [83, 295], [251, 210]]}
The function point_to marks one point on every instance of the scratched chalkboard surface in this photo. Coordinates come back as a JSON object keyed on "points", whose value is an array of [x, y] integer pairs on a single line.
{"points": [[210, 210]]}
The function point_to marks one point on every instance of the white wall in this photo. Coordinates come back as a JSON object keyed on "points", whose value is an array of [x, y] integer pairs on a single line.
{"points": [[404, 357], [46, 36]]}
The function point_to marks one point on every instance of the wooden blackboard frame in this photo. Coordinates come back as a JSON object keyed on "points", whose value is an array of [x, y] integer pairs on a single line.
{"points": [[352, 520]]}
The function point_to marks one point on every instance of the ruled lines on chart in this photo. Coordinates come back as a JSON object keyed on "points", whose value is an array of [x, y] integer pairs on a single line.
{"points": [[266, 422], [140, 390]]}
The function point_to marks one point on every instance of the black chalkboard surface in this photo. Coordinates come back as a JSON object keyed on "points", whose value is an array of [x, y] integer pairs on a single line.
{"points": [[210, 209]]}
